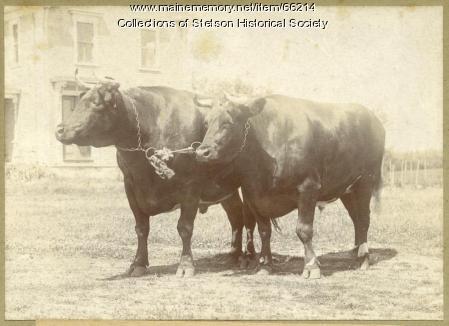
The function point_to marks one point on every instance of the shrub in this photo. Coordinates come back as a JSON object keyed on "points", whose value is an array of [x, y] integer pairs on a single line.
{"points": [[28, 172]]}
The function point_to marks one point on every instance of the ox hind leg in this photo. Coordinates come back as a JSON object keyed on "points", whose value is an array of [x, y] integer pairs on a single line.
{"points": [[251, 216], [140, 262], [357, 203], [265, 258], [307, 199], [239, 214], [304, 230], [248, 259]]}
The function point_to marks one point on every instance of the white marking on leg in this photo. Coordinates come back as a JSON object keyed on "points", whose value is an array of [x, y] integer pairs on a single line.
{"points": [[363, 250], [311, 262]]}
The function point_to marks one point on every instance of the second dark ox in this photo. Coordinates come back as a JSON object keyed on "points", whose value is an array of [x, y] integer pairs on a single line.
{"points": [[293, 154]]}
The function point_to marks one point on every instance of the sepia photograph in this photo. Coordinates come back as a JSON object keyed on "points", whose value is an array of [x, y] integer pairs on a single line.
{"points": [[223, 162]]}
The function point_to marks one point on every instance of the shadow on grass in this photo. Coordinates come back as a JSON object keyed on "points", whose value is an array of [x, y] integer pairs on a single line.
{"points": [[332, 262], [283, 264]]}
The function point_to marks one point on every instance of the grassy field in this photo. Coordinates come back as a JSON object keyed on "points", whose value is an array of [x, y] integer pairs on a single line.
{"points": [[66, 241]]}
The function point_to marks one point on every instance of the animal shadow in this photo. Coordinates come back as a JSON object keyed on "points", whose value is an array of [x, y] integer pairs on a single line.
{"points": [[331, 262], [283, 264], [218, 263]]}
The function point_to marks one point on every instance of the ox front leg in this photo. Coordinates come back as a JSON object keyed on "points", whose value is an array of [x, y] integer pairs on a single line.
{"points": [[304, 229], [233, 207], [185, 229], [140, 263]]}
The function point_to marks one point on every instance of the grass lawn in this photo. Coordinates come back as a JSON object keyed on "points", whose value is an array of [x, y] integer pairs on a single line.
{"points": [[66, 240]]}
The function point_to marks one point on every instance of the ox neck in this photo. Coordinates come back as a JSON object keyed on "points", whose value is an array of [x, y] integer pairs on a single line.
{"points": [[252, 156], [132, 132]]}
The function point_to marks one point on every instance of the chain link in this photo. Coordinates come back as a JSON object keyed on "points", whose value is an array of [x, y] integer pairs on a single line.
{"points": [[245, 135], [139, 147]]}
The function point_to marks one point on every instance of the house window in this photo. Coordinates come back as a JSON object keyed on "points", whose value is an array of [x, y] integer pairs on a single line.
{"points": [[73, 153], [15, 42], [85, 42], [154, 45], [149, 49]]}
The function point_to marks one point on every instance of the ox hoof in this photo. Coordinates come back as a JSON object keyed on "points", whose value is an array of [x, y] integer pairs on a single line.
{"points": [[252, 262], [363, 262], [185, 271], [312, 269], [244, 262], [363, 256], [313, 273], [265, 270], [186, 267], [248, 261], [137, 271]]}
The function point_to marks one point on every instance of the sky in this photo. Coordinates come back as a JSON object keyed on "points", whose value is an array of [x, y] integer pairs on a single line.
{"points": [[386, 58]]}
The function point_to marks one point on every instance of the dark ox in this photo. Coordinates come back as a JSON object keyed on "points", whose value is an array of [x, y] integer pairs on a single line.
{"points": [[164, 117], [296, 154]]}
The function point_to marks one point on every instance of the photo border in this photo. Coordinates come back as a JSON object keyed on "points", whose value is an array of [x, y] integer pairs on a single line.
{"points": [[319, 3]]}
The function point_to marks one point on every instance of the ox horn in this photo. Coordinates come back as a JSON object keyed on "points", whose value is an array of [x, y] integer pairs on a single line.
{"points": [[106, 80], [238, 100], [203, 101], [81, 83]]}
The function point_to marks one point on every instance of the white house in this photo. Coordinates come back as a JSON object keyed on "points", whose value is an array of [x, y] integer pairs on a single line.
{"points": [[44, 46]]}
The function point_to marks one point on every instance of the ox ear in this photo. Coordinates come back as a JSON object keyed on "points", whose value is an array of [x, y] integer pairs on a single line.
{"points": [[255, 106], [246, 107]]}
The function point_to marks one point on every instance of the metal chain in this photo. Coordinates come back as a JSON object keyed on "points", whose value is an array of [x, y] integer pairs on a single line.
{"points": [[158, 157], [245, 135], [139, 147]]}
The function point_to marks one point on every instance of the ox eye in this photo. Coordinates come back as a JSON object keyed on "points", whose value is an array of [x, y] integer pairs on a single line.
{"points": [[226, 125]]}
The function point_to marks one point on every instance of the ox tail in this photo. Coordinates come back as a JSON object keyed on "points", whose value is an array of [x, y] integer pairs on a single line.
{"points": [[377, 190], [276, 226]]}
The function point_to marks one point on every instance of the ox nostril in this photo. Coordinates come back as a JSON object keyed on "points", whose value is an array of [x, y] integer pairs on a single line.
{"points": [[205, 153], [59, 129]]}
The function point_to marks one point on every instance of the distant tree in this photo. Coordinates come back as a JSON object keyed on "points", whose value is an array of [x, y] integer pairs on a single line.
{"points": [[207, 47], [431, 158]]}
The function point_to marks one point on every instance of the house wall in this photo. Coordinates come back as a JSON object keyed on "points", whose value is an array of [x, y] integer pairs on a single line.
{"points": [[47, 62]]}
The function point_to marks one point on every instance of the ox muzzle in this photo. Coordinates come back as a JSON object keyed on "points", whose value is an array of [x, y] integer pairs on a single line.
{"points": [[63, 135], [205, 153]]}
